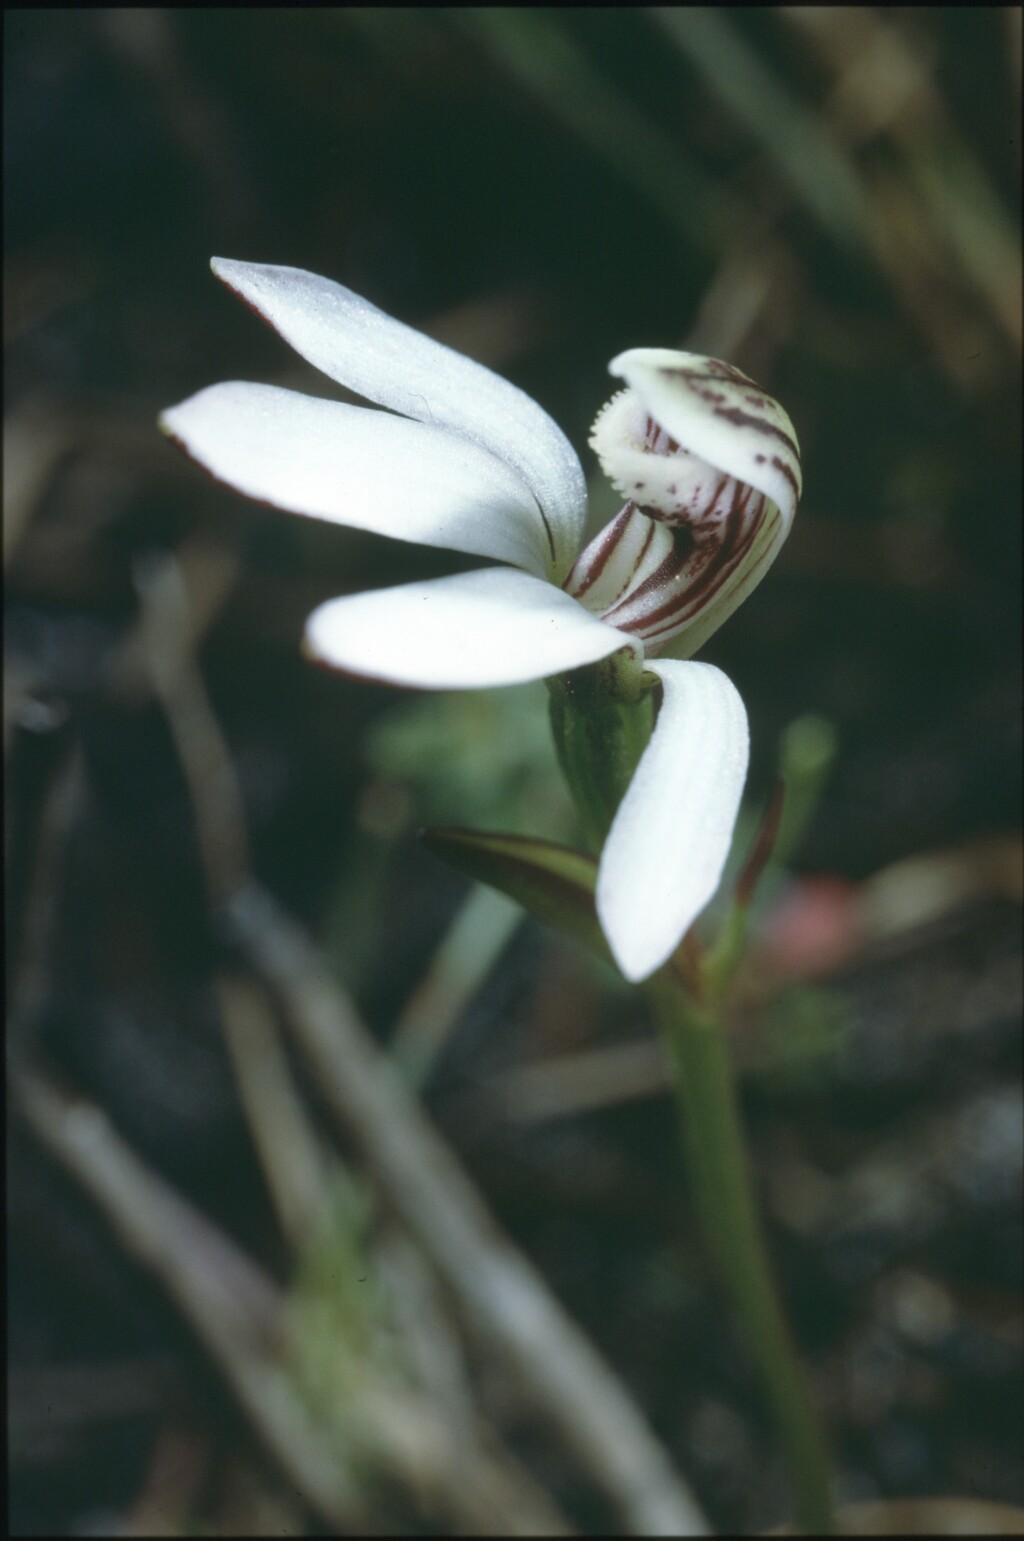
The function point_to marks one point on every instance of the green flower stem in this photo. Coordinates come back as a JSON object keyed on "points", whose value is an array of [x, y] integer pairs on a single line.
{"points": [[601, 719], [713, 1146]]}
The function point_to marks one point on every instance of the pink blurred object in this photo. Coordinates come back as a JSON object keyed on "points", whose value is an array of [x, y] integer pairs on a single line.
{"points": [[816, 926]]}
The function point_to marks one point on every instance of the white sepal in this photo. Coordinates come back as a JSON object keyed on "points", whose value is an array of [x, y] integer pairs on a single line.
{"points": [[495, 626], [390, 363], [664, 855], [360, 467]]}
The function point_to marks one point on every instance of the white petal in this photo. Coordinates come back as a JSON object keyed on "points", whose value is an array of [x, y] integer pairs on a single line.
{"points": [[377, 357], [713, 410], [360, 467], [492, 627], [665, 851]]}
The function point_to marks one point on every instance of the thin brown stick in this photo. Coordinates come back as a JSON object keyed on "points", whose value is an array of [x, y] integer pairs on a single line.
{"points": [[421, 1313], [36, 441], [181, 597], [178, 597], [167, 629], [474, 941], [30, 982], [290, 1154]]}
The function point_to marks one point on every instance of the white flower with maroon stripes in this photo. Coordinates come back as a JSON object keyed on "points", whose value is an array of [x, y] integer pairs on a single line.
{"points": [[465, 461]]}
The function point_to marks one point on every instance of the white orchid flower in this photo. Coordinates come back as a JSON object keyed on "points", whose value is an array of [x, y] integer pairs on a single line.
{"points": [[464, 460]]}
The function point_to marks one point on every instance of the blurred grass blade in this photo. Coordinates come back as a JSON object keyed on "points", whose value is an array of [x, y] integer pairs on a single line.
{"points": [[551, 882], [793, 136], [807, 753], [965, 207], [469, 950], [535, 48], [883, 86]]}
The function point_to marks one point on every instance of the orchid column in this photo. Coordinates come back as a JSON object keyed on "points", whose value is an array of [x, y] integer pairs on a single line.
{"points": [[653, 745]]}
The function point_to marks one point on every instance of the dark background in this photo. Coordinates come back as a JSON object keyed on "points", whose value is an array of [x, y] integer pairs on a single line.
{"points": [[827, 199]]}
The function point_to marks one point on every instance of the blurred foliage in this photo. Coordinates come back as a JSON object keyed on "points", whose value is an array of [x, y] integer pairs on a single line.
{"points": [[338, 1327], [476, 757]]}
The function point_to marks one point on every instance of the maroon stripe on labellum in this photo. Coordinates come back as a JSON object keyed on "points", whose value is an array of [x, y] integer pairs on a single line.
{"points": [[665, 618], [667, 573], [657, 441], [690, 513], [593, 561], [751, 420], [672, 568], [607, 546], [716, 369], [780, 465], [696, 596], [638, 563], [787, 471], [670, 627], [734, 415]]}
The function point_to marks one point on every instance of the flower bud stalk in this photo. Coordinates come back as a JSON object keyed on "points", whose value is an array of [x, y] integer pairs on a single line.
{"points": [[601, 719]]}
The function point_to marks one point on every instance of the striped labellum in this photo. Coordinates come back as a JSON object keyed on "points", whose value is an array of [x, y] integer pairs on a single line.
{"points": [[710, 467]]}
